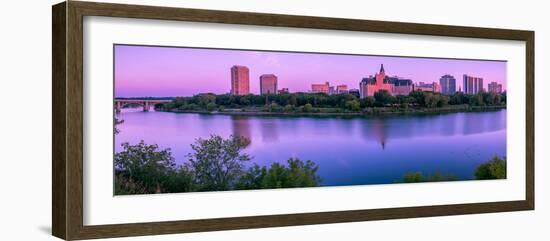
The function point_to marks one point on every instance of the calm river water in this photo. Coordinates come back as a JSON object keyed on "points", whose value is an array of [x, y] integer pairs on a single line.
{"points": [[348, 150]]}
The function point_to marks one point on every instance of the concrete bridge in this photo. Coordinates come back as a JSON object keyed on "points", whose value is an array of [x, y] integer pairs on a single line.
{"points": [[145, 103]]}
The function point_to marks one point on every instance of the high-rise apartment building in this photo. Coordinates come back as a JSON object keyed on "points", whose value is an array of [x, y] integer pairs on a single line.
{"points": [[240, 80], [472, 85], [268, 84], [494, 87], [448, 84]]}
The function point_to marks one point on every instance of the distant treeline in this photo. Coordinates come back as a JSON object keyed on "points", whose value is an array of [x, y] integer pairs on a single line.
{"points": [[145, 98], [320, 102]]}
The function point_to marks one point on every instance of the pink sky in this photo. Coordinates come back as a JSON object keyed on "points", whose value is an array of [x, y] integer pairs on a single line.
{"points": [[173, 71]]}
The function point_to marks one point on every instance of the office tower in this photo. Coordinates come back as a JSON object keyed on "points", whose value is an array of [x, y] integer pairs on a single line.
{"points": [[240, 80], [268, 84], [448, 84], [472, 85]]}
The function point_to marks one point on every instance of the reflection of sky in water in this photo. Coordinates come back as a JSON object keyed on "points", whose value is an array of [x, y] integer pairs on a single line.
{"points": [[347, 150]]}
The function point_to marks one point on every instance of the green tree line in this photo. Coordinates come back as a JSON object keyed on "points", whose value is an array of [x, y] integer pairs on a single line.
{"points": [[315, 102]]}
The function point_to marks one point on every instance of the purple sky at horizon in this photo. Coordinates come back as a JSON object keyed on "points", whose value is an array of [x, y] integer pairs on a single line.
{"points": [[176, 71]]}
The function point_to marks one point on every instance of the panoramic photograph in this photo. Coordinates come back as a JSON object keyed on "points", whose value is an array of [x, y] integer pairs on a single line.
{"points": [[190, 119]]}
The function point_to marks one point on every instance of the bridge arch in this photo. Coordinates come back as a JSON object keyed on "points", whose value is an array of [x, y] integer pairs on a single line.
{"points": [[145, 103]]}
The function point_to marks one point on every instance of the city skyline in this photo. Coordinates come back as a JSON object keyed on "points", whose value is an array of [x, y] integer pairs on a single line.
{"points": [[177, 71]]}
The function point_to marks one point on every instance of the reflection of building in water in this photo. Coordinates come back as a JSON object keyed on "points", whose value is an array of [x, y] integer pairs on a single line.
{"points": [[380, 132], [376, 130], [241, 127], [269, 131], [398, 128]]}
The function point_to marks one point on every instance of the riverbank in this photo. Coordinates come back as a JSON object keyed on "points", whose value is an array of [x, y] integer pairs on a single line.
{"points": [[371, 111]]}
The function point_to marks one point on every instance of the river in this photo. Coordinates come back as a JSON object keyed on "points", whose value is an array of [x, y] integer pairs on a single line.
{"points": [[348, 150]]}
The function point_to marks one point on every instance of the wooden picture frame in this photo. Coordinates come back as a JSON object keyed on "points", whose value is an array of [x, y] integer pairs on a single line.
{"points": [[67, 150]]}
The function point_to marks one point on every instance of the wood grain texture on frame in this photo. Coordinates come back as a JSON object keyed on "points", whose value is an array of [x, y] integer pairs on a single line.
{"points": [[67, 119]]}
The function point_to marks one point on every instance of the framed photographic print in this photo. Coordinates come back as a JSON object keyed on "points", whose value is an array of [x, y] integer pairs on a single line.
{"points": [[171, 120]]}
